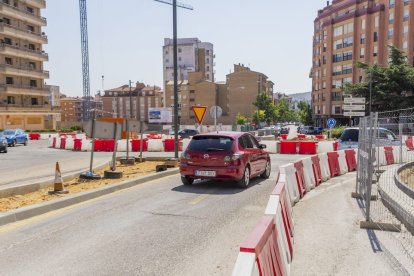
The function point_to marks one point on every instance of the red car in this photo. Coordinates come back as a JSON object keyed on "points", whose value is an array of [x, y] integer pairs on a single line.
{"points": [[224, 156]]}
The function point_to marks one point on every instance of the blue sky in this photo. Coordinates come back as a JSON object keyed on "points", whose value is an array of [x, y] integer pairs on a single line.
{"points": [[126, 38]]}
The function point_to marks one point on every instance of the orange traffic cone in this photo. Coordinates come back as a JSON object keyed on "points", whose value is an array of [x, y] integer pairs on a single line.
{"points": [[58, 185]]}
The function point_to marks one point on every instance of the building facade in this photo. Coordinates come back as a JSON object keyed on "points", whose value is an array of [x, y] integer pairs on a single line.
{"points": [[123, 101], [348, 31], [72, 109], [24, 97]]}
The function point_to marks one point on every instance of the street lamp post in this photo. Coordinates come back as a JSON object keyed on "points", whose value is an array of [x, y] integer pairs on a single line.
{"points": [[370, 91]]}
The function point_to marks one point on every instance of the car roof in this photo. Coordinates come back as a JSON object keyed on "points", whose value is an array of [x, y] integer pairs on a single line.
{"points": [[357, 128], [232, 134]]}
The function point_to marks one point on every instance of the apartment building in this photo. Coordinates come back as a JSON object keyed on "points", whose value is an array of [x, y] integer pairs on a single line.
{"points": [[24, 97], [235, 95], [123, 101], [348, 31], [72, 109]]}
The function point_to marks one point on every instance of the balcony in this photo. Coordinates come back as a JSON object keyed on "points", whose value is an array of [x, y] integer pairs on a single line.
{"points": [[23, 15], [18, 51], [25, 108], [23, 71], [22, 33], [15, 89], [41, 4]]}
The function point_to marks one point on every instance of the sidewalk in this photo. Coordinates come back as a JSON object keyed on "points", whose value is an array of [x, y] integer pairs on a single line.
{"points": [[328, 240]]}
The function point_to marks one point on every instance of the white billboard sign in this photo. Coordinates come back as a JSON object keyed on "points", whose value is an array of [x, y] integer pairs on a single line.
{"points": [[354, 114], [354, 100], [160, 115], [354, 107]]}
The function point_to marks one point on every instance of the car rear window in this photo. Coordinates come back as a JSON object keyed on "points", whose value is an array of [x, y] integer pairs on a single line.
{"points": [[9, 132], [350, 135], [210, 143]]}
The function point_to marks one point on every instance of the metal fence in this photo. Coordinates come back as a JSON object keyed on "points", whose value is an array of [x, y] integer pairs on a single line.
{"points": [[385, 177]]}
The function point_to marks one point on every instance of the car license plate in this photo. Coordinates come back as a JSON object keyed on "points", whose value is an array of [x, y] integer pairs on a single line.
{"points": [[205, 173]]}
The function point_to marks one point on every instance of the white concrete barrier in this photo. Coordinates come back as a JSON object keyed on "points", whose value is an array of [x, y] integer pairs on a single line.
{"points": [[380, 156], [86, 145], [69, 143], [343, 167], [122, 145], [323, 160], [246, 265], [398, 154], [271, 146], [308, 172], [155, 145], [80, 136], [325, 146], [287, 174], [57, 145]]}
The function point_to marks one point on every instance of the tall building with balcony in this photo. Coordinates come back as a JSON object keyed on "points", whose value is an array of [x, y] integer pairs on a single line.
{"points": [[24, 97], [348, 31]]}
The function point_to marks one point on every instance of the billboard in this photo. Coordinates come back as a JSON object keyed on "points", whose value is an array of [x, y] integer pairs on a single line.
{"points": [[160, 115]]}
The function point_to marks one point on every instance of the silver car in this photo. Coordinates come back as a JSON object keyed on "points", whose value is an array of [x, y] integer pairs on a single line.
{"points": [[349, 138]]}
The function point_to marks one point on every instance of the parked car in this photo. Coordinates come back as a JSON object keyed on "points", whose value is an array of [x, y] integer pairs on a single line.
{"points": [[317, 130], [187, 133], [284, 130], [306, 130], [15, 136], [224, 156], [349, 138], [3, 144]]}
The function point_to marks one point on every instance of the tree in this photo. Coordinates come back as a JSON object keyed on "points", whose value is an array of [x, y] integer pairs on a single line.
{"points": [[305, 113], [285, 113], [264, 103], [240, 119], [258, 117], [392, 86]]}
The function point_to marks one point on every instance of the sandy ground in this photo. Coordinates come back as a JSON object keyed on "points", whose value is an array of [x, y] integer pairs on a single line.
{"points": [[76, 186], [407, 176]]}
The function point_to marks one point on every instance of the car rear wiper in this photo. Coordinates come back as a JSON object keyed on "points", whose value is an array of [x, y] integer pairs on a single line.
{"points": [[214, 149]]}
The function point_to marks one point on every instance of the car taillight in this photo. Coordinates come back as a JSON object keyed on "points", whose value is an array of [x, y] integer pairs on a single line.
{"points": [[233, 157]]}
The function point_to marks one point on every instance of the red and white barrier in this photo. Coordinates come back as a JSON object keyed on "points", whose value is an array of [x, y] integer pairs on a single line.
{"points": [[155, 145], [309, 175], [287, 174], [326, 146], [271, 146], [323, 161], [343, 167]]}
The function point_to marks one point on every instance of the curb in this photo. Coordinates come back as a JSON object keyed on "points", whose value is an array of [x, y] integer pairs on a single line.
{"points": [[34, 187], [52, 205]]}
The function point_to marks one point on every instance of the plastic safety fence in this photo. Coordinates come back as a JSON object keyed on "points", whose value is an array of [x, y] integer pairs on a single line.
{"points": [[389, 155], [333, 164], [300, 178], [307, 147], [34, 136], [350, 160], [308, 173], [136, 145], [77, 144], [316, 168], [62, 143], [288, 147]]}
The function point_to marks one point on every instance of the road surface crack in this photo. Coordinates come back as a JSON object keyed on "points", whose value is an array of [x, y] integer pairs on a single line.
{"points": [[170, 215]]}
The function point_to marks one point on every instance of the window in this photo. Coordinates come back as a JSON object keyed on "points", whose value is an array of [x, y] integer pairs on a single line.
{"points": [[29, 9], [337, 110], [391, 18], [208, 52], [179, 50], [338, 44], [406, 2], [248, 144], [324, 60], [8, 61], [363, 24], [375, 36], [7, 41], [31, 47], [348, 28], [337, 57], [30, 28], [405, 30], [347, 69], [406, 15], [208, 69], [33, 83], [6, 2], [347, 80], [6, 21], [405, 45], [35, 101], [179, 58], [348, 41], [362, 53], [9, 80], [324, 47], [347, 55], [336, 83], [32, 65], [338, 31], [10, 100], [337, 70], [375, 51], [376, 21], [208, 76], [392, 3], [390, 33], [324, 85], [362, 40]]}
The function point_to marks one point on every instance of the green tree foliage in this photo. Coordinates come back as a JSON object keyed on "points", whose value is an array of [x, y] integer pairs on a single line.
{"points": [[264, 103], [392, 86], [305, 113], [240, 119], [258, 117], [285, 113]]}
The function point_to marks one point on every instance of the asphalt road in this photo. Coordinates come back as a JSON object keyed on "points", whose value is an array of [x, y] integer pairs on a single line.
{"points": [[36, 162], [158, 228]]}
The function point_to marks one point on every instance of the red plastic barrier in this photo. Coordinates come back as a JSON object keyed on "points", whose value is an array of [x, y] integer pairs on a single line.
{"points": [[389, 156], [335, 145], [288, 147], [300, 178], [320, 137], [99, 145], [62, 143], [136, 144], [301, 136], [334, 163], [77, 144], [284, 136], [316, 167], [280, 190], [263, 242], [34, 136], [54, 142], [307, 147], [409, 143], [350, 160], [169, 145], [109, 145]]}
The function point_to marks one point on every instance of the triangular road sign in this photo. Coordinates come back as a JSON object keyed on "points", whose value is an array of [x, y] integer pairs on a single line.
{"points": [[199, 112]]}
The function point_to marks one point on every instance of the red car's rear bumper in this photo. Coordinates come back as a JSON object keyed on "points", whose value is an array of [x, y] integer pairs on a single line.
{"points": [[222, 173]]}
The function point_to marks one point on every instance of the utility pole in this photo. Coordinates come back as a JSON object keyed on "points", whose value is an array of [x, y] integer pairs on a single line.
{"points": [[370, 92], [85, 60], [175, 4]]}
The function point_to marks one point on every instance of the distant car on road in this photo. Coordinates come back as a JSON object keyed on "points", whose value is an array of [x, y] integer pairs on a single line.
{"points": [[306, 130], [3, 144], [15, 136], [284, 130], [224, 156], [187, 133], [317, 130], [349, 138]]}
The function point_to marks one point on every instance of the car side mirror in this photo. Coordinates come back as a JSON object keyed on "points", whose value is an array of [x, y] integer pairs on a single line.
{"points": [[262, 146]]}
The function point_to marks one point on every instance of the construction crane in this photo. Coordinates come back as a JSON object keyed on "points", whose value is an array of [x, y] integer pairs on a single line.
{"points": [[174, 4], [85, 60]]}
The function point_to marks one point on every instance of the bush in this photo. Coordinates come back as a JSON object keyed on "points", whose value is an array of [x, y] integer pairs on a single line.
{"points": [[336, 132], [76, 128]]}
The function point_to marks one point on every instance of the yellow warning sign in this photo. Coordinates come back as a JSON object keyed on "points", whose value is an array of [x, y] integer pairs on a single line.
{"points": [[199, 112]]}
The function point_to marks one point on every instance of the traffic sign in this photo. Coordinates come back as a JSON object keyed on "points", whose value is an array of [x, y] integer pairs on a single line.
{"points": [[216, 111], [199, 112], [354, 107], [354, 100], [331, 122], [354, 114]]}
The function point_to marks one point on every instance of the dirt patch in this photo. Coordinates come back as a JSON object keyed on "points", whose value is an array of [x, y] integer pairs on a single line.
{"points": [[78, 185], [407, 177]]}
